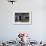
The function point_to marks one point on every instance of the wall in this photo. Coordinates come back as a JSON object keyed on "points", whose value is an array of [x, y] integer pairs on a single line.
{"points": [[38, 28]]}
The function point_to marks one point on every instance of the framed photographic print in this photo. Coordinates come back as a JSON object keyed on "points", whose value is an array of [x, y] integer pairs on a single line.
{"points": [[22, 17]]}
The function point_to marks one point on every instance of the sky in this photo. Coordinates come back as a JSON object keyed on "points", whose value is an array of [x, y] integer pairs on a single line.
{"points": [[9, 31]]}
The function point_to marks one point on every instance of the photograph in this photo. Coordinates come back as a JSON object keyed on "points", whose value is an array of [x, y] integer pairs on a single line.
{"points": [[21, 17]]}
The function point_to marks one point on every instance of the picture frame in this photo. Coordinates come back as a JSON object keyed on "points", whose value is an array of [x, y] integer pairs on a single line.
{"points": [[28, 20]]}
